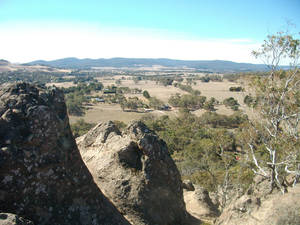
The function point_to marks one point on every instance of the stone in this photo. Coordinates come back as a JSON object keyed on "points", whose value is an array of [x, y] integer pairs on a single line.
{"points": [[135, 171], [42, 175], [260, 208], [199, 204], [12, 219]]}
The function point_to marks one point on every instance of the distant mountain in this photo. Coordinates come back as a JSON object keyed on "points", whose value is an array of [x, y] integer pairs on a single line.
{"points": [[209, 65], [4, 62]]}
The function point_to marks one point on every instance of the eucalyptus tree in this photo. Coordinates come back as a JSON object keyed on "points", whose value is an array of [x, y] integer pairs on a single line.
{"points": [[273, 139]]}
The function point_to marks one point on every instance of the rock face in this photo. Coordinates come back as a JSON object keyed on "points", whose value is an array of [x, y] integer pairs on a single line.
{"points": [[199, 204], [42, 175], [257, 207], [135, 171], [12, 219]]}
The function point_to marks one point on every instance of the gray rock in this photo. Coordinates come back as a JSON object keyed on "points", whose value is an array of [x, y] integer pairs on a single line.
{"points": [[12, 219], [135, 171], [42, 175]]}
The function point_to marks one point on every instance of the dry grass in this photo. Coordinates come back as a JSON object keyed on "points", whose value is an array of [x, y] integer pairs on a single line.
{"points": [[155, 90], [62, 84], [105, 111]]}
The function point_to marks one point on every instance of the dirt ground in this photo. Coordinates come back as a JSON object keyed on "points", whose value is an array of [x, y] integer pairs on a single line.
{"points": [[106, 112]]}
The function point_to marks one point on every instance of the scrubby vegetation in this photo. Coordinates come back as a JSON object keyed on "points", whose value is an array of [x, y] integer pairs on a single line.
{"points": [[236, 89], [188, 89], [232, 103], [76, 96], [80, 127], [204, 149], [189, 102]]}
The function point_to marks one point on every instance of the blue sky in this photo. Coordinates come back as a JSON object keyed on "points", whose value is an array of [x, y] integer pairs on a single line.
{"points": [[190, 29]]}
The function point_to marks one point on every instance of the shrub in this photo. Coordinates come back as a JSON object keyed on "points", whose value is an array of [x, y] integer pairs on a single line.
{"points": [[80, 127], [236, 89], [232, 103]]}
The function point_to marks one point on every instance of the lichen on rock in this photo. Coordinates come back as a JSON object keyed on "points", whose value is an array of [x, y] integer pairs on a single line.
{"points": [[42, 175]]}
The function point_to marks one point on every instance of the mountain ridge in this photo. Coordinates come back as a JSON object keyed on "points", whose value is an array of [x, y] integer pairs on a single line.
{"points": [[209, 65]]}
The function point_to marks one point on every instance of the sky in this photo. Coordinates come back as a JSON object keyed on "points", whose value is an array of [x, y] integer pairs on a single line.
{"points": [[177, 29]]}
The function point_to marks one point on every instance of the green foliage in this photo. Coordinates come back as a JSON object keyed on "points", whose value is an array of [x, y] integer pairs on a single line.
{"points": [[74, 103], [211, 77], [274, 140], [80, 127], [205, 79], [146, 94], [236, 89], [232, 77], [155, 103], [166, 81], [84, 88], [188, 89], [210, 104], [133, 103], [202, 153], [120, 124], [126, 90], [190, 102], [218, 120], [232, 103], [250, 101]]}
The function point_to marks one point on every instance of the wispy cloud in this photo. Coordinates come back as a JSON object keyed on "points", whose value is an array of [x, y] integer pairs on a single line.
{"points": [[23, 43]]}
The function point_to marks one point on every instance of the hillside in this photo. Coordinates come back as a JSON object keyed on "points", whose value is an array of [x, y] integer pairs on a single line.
{"points": [[206, 65]]}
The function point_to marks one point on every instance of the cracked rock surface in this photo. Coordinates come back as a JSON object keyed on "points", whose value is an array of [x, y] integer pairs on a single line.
{"points": [[135, 171], [42, 175]]}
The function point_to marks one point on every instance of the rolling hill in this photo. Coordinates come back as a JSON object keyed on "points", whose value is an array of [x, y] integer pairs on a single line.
{"points": [[206, 65]]}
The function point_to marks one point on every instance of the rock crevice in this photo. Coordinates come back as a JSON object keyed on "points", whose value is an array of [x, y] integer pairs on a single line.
{"points": [[136, 172]]}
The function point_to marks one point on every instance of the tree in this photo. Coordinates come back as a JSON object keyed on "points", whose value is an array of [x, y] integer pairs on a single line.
{"points": [[146, 94], [274, 137]]}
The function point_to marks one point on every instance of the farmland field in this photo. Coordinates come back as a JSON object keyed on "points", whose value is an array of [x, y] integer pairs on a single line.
{"points": [[103, 111]]}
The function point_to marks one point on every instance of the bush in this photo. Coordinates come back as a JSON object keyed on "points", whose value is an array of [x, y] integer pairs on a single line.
{"points": [[190, 102], [232, 103], [218, 120], [80, 127], [236, 89], [146, 94]]}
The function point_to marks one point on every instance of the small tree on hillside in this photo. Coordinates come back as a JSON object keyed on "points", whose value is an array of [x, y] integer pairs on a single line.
{"points": [[146, 94], [274, 138]]}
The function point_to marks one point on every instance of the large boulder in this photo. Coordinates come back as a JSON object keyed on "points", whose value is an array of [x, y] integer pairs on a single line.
{"points": [[42, 175], [135, 171]]}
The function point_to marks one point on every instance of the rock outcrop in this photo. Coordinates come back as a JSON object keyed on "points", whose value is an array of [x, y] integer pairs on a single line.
{"points": [[199, 204], [135, 171], [42, 175], [259, 207]]}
